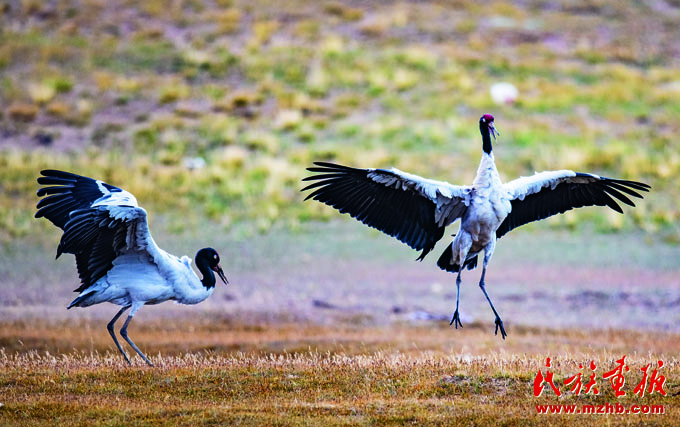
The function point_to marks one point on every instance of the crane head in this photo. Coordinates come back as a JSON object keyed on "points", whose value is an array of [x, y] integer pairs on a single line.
{"points": [[213, 259], [488, 120]]}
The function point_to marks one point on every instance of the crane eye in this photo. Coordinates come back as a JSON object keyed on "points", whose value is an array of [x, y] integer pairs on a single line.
{"points": [[215, 256]]}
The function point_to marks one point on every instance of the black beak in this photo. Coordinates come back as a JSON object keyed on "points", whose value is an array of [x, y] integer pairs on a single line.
{"points": [[219, 271], [493, 130]]}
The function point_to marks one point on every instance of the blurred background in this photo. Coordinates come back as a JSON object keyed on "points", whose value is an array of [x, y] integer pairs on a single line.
{"points": [[208, 111]]}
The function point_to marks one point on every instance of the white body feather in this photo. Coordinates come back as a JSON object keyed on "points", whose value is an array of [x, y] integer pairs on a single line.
{"points": [[489, 207]]}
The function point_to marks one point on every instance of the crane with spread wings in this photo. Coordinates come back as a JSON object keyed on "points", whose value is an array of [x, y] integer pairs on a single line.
{"points": [[116, 257], [416, 210]]}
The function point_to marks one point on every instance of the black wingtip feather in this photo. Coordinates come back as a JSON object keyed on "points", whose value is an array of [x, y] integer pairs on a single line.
{"points": [[400, 213], [66, 192], [58, 174], [569, 195], [88, 233], [334, 166], [634, 184], [610, 202], [617, 194]]}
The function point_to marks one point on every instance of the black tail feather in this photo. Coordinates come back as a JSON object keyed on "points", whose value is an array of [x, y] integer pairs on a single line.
{"points": [[78, 301], [445, 261]]}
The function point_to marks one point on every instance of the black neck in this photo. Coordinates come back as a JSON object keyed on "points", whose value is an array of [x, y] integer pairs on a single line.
{"points": [[486, 137], [208, 275]]}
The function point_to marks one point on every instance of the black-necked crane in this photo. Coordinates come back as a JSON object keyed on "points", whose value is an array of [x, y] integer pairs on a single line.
{"points": [[116, 257], [416, 210]]}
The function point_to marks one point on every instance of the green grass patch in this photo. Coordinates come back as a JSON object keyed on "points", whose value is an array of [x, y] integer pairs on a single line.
{"points": [[248, 87]]}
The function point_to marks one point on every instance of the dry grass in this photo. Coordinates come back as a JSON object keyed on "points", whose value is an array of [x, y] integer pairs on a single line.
{"points": [[220, 334], [336, 375]]}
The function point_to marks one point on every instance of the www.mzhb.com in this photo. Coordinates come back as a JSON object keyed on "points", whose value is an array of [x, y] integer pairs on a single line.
{"points": [[607, 408]]}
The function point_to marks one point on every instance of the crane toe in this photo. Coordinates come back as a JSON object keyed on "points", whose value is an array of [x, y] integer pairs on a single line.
{"points": [[499, 324], [455, 320]]}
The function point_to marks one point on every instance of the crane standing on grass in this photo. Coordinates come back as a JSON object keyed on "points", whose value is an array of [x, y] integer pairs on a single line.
{"points": [[117, 259], [416, 210]]}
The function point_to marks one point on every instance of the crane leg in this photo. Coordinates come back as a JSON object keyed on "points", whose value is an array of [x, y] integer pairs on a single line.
{"points": [[123, 333], [455, 320], [110, 325], [460, 248], [499, 322]]}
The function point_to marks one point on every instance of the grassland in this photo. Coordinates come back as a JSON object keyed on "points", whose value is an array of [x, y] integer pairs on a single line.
{"points": [[210, 110], [401, 375]]}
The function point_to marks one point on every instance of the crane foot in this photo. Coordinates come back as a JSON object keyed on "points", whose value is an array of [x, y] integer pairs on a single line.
{"points": [[499, 324], [455, 320]]}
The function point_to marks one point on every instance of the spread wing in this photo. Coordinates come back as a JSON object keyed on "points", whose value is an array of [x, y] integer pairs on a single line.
{"points": [[408, 207], [548, 193], [100, 222]]}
